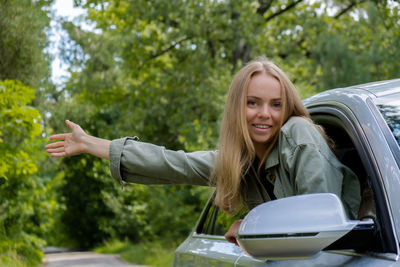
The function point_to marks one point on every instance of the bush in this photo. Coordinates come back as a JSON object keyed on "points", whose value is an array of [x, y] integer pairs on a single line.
{"points": [[24, 215], [155, 253]]}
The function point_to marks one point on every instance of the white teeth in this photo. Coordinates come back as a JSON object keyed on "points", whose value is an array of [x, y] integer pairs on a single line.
{"points": [[262, 126]]}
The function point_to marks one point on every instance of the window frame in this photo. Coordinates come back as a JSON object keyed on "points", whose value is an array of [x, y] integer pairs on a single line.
{"points": [[198, 232], [346, 119]]}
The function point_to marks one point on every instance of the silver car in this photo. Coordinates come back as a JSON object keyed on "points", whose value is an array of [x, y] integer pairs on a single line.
{"points": [[313, 230]]}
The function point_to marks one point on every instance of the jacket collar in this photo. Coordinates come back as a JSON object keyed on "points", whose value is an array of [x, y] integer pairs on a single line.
{"points": [[273, 157]]}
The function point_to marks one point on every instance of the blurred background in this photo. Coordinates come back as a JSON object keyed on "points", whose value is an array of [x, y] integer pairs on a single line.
{"points": [[160, 70]]}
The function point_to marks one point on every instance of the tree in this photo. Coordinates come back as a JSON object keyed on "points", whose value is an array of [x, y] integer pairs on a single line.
{"points": [[161, 69], [20, 191], [23, 40], [27, 201]]}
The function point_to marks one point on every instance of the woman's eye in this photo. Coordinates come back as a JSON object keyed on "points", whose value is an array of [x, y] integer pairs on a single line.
{"points": [[277, 105], [251, 103]]}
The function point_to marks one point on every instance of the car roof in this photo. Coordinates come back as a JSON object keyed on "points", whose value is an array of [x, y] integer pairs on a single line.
{"points": [[362, 91], [381, 88]]}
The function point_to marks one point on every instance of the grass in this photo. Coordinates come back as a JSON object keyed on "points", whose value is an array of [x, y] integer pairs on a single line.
{"points": [[149, 253]]}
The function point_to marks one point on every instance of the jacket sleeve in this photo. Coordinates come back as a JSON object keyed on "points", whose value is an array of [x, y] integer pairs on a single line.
{"points": [[145, 163]]}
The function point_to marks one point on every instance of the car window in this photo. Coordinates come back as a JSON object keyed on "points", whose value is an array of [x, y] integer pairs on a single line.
{"points": [[215, 221], [348, 149], [344, 148], [390, 109]]}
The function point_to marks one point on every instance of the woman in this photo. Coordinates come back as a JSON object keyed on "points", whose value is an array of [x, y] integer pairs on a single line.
{"points": [[268, 148]]}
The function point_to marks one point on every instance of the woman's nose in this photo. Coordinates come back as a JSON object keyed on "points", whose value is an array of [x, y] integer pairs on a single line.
{"points": [[264, 112]]}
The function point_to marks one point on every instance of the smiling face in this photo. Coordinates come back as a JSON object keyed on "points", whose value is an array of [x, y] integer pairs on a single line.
{"points": [[263, 110]]}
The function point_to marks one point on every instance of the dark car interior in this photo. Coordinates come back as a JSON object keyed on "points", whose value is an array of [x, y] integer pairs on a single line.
{"points": [[365, 237]]}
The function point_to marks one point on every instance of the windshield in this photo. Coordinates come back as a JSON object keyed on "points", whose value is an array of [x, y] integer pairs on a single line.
{"points": [[390, 109]]}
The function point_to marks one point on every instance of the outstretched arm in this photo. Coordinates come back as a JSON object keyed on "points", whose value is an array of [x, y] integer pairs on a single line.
{"points": [[78, 142]]}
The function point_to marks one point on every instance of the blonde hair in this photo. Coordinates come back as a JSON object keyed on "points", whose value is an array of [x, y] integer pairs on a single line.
{"points": [[236, 151]]}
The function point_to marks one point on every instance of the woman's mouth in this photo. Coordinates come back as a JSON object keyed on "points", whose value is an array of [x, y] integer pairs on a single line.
{"points": [[262, 126]]}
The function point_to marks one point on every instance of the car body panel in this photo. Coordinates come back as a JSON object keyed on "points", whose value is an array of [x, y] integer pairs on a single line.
{"points": [[381, 88], [202, 250], [321, 259], [199, 250]]}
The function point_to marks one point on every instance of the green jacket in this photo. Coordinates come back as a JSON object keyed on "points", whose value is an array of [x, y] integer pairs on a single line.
{"points": [[300, 163]]}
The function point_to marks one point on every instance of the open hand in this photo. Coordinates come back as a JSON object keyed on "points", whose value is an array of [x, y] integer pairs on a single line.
{"points": [[70, 144]]}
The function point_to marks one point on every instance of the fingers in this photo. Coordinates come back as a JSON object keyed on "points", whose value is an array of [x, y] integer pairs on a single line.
{"points": [[62, 136], [59, 136], [231, 239], [230, 236], [55, 145], [55, 150], [70, 124], [67, 144], [58, 155]]}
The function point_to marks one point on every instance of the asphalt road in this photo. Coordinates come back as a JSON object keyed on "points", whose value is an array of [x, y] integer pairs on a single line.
{"points": [[84, 259]]}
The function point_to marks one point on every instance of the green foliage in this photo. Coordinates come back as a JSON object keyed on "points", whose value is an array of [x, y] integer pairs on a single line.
{"points": [[22, 211], [87, 216], [143, 213], [27, 198], [22, 41], [12, 259], [156, 253], [366, 53], [18, 123], [161, 69]]}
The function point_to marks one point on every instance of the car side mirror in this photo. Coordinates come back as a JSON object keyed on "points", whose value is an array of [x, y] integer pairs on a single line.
{"points": [[294, 227]]}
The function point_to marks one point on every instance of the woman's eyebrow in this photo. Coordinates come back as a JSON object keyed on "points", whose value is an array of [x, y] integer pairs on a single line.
{"points": [[256, 97], [251, 96]]}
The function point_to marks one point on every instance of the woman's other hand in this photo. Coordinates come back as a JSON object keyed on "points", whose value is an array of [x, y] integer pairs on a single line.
{"points": [[230, 236]]}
